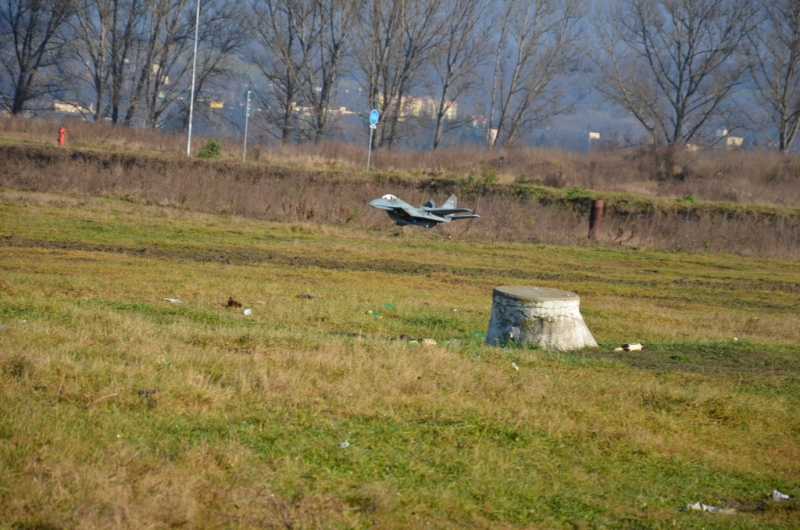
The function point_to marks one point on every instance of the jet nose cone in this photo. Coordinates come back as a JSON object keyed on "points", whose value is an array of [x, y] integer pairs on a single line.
{"points": [[375, 203]]}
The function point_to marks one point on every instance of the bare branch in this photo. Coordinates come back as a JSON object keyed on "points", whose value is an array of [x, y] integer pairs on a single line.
{"points": [[672, 63], [774, 64]]}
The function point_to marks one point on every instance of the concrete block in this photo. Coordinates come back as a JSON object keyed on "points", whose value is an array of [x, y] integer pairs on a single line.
{"points": [[548, 318]]}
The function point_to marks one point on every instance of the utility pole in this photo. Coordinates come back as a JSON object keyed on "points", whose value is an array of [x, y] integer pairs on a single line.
{"points": [[194, 68], [246, 118]]}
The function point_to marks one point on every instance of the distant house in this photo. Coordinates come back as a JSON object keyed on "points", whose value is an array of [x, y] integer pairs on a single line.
{"points": [[427, 106], [734, 142], [728, 141], [424, 106], [69, 107]]}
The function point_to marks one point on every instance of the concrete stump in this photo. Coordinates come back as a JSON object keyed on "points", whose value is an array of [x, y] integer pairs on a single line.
{"points": [[548, 318]]}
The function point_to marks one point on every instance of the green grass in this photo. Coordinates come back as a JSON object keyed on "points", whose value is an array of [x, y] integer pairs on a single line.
{"points": [[120, 409]]}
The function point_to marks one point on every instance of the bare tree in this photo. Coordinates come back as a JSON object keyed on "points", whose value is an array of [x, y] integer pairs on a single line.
{"points": [[323, 67], [164, 28], [299, 48], [457, 60], [393, 43], [284, 37], [163, 56], [775, 70], [536, 50], [31, 28], [126, 17], [101, 38], [86, 41], [169, 42], [376, 45], [221, 37], [672, 63]]}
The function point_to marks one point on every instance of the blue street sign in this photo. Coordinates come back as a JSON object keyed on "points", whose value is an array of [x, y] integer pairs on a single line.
{"points": [[373, 117]]}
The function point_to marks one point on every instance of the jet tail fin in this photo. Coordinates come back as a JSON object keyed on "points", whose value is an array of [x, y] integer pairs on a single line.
{"points": [[430, 204], [452, 202]]}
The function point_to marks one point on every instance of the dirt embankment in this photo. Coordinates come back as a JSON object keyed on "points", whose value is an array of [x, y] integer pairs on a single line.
{"points": [[509, 212]]}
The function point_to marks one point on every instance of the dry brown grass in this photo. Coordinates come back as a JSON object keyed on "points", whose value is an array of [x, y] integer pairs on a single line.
{"points": [[748, 177], [651, 196], [81, 133]]}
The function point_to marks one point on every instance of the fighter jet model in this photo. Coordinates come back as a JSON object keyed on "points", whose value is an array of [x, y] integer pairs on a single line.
{"points": [[427, 215]]}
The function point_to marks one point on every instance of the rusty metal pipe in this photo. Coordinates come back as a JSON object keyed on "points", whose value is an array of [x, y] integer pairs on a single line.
{"points": [[595, 219]]}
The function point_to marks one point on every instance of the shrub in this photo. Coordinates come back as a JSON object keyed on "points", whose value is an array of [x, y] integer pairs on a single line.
{"points": [[213, 149], [489, 175]]}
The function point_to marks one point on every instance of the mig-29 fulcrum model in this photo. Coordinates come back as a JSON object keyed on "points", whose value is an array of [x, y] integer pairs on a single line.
{"points": [[426, 215]]}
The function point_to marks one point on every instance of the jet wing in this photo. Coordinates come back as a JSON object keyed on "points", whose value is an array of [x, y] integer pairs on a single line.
{"points": [[410, 211], [421, 213], [447, 211]]}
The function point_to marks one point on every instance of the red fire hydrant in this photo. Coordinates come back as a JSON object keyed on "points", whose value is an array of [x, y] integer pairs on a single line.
{"points": [[62, 133]]}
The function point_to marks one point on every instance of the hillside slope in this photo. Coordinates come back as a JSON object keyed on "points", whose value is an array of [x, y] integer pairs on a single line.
{"points": [[514, 211]]}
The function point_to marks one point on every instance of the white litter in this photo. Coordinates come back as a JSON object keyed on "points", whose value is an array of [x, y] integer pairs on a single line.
{"points": [[778, 496], [344, 445], [699, 506], [173, 300], [630, 347], [247, 311], [515, 367]]}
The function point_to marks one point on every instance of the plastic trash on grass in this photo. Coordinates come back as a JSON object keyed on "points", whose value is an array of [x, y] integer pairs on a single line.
{"points": [[700, 507], [630, 347], [421, 340], [779, 496]]}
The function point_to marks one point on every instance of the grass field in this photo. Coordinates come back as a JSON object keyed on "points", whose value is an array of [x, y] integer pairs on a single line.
{"points": [[121, 409]]}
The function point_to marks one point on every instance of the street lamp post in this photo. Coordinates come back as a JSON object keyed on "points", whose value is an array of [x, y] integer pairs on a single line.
{"points": [[246, 117], [194, 68]]}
